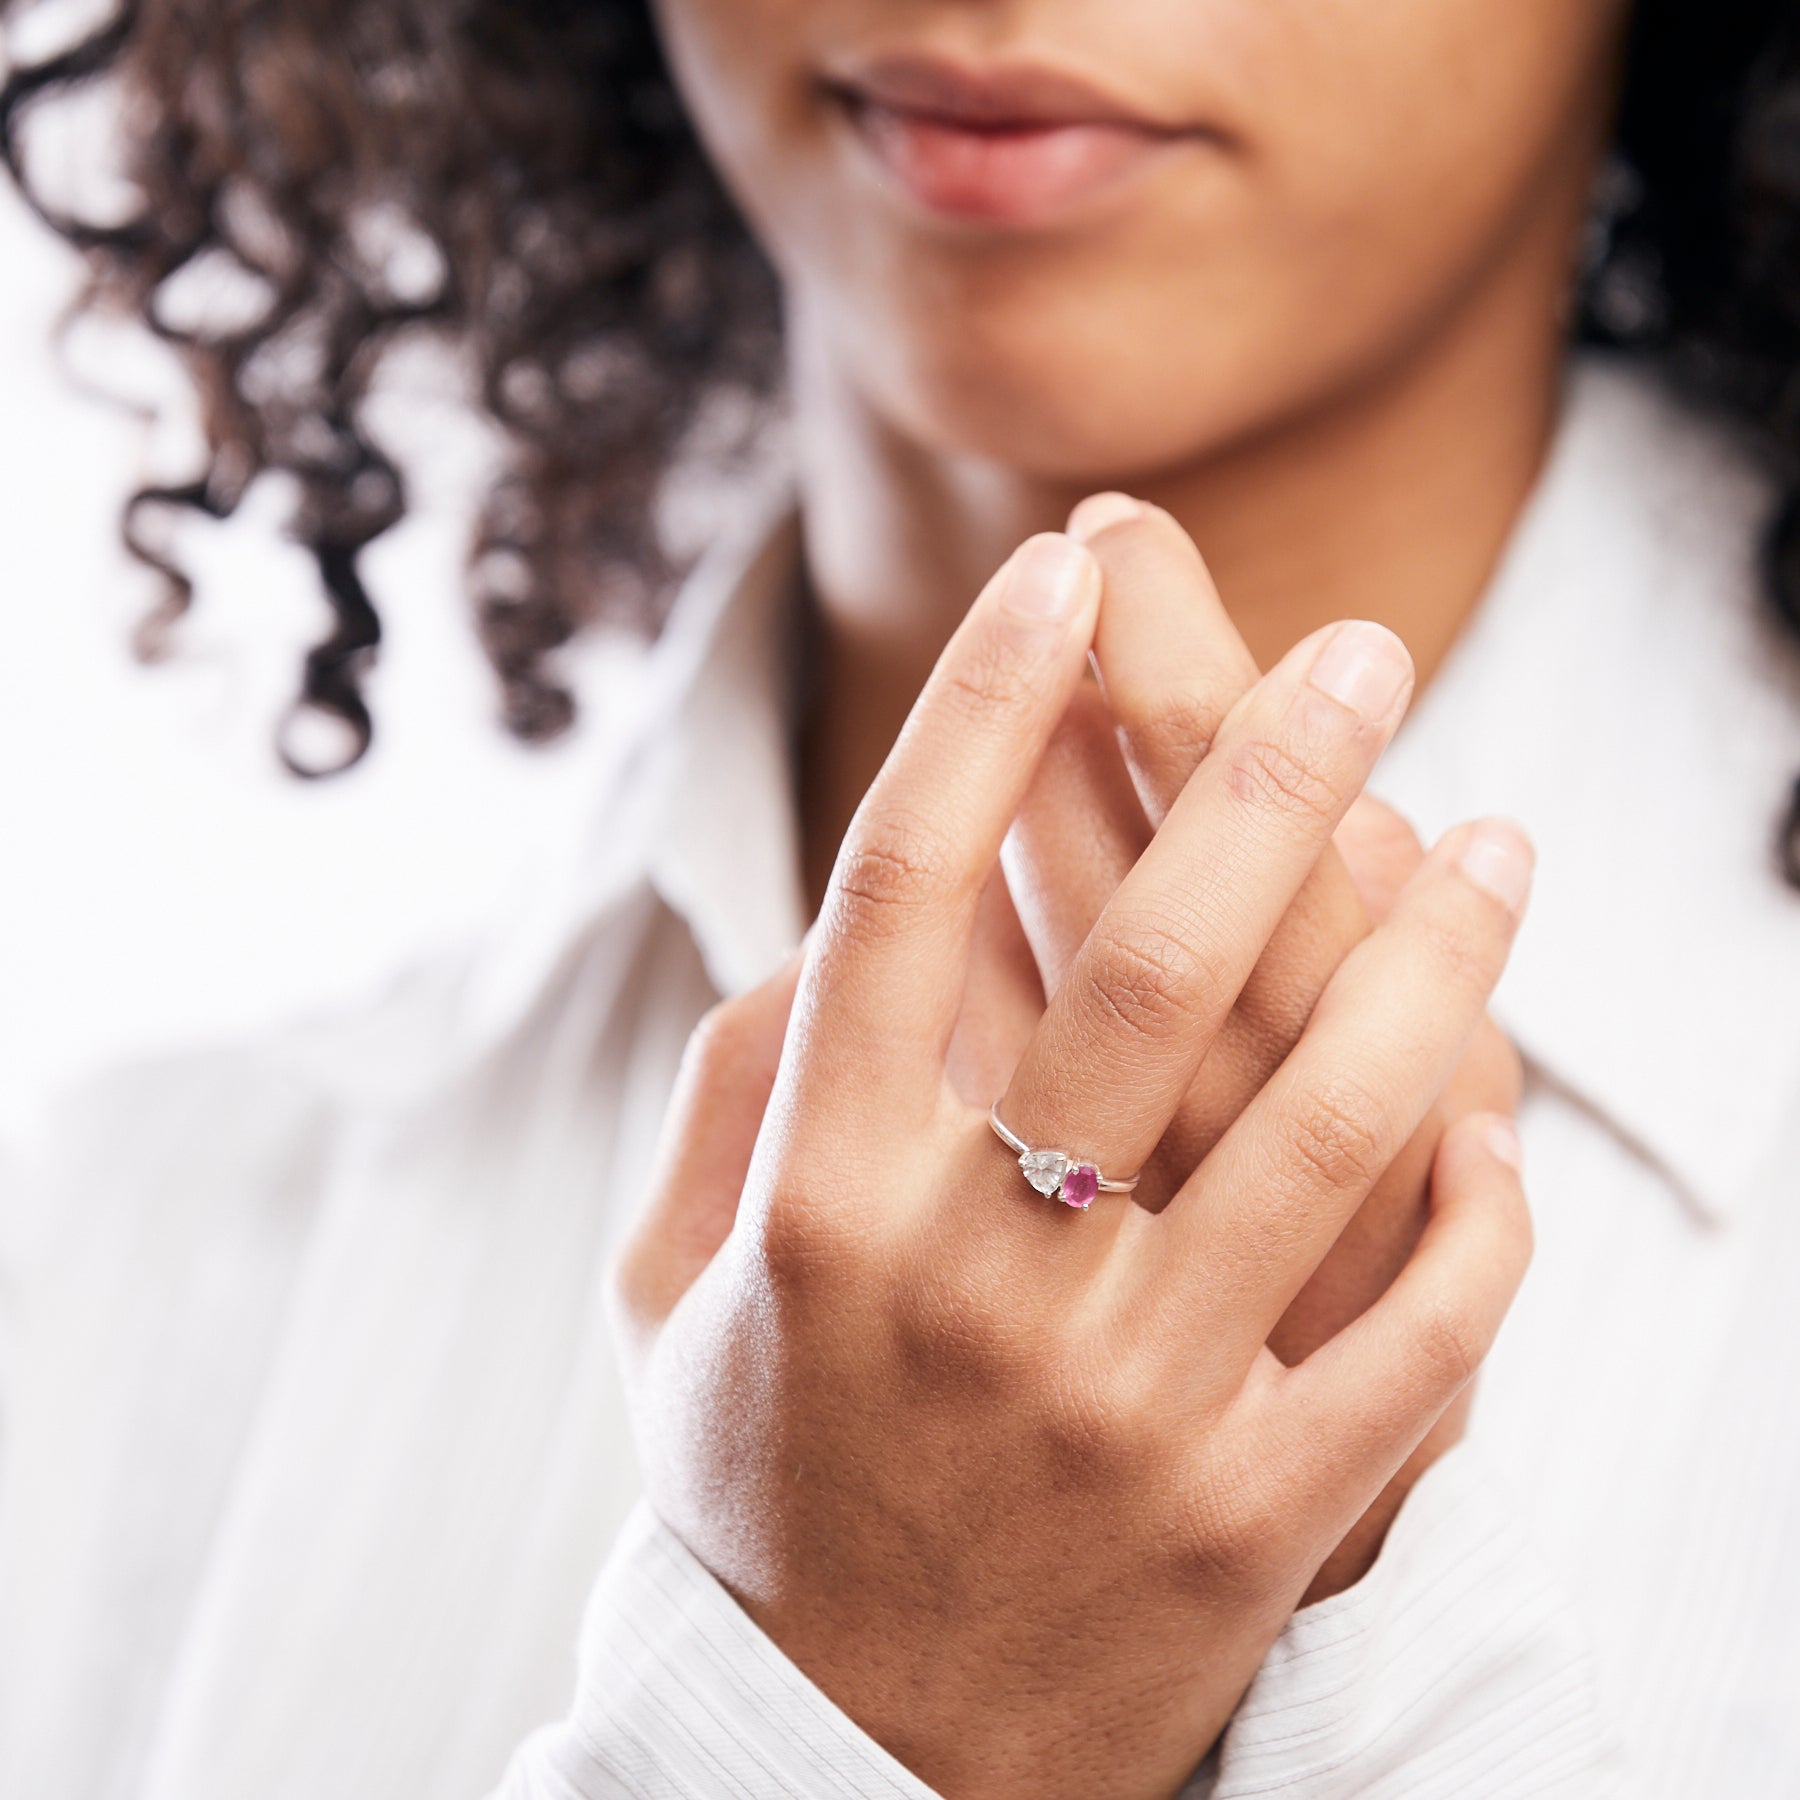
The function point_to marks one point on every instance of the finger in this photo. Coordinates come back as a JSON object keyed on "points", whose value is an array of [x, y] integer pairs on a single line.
{"points": [[1082, 827], [715, 1111], [1123, 1038], [1077, 835], [1002, 1001], [1371, 1250], [1173, 664], [1380, 850], [1170, 659], [1490, 1077], [1376, 1389], [895, 926], [1386, 1036]]}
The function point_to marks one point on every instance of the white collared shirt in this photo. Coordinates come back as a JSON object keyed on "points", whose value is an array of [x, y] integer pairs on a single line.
{"points": [[312, 1438]]}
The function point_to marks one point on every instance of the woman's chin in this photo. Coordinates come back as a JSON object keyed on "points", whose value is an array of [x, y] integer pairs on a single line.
{"points": [[1058, 417]]}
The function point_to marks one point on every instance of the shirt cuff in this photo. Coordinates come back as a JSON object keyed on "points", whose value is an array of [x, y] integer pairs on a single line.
{"points": [[681, 1697], [1455, 1669]]}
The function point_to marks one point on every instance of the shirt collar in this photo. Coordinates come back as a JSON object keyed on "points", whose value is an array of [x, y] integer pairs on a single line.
{"points": [[698, 800], [1620, 692], [686, 736], [718, 775]]}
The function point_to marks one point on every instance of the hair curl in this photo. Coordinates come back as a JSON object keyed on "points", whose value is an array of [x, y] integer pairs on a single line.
{"points": [[583, 251], [565, 230]]}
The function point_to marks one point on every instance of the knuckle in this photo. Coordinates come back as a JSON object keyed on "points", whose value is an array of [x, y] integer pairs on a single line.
{"points": [[890, 870], [1098, 1425], [954, 1332], [718, 1041], [1149, 976], [991, 678], [1448, 1346], [1340, 1136], [1463, 954], [1086, 1443], [1238, 1530], [961, 1355], [801, 1256], [1176, 736], [1273, 778]]}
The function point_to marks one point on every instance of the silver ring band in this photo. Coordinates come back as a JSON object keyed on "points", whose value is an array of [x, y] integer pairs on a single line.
{"points": [[1054, 1173]]}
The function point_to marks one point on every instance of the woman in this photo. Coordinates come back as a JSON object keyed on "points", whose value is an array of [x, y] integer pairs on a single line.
{"points": [[971, 1473]]}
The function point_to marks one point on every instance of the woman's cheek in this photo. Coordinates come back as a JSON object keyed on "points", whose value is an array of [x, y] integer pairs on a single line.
{"points": [[745, 74]]}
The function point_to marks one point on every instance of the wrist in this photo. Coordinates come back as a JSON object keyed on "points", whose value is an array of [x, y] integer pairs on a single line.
{"points": [[971, 1716]]}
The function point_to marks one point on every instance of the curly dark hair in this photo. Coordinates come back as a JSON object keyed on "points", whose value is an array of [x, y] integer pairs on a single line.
{"points": [[585, 255], [579, 249]]}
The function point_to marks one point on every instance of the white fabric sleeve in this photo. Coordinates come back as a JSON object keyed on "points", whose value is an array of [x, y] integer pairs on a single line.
{"points": [[1455, 1670], [679, 1696]]}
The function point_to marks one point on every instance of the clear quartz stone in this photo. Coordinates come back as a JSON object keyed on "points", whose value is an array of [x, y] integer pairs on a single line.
{"points": [[1045, 1170]]}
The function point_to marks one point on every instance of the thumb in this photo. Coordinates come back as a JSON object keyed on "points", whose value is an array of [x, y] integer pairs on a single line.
{"points": [[715, 1112]]}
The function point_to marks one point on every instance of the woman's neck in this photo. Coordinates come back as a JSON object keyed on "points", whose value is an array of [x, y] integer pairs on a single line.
{"points": [[1393, 501]]}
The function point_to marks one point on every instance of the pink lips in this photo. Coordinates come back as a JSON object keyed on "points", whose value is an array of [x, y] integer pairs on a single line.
{"points": [[1018, 146]]}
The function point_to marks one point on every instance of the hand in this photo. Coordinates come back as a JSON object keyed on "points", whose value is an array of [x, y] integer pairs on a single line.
{"points": [[1173, 664], [1024, 1490]]}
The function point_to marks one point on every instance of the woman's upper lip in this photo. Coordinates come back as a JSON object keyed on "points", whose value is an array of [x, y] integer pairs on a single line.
{"points": [[1018, 96]]}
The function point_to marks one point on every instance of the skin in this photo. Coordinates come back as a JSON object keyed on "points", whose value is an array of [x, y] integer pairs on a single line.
{"points": [[1344, 410], [1175, 665], [943, 1439], [1174, 968]]}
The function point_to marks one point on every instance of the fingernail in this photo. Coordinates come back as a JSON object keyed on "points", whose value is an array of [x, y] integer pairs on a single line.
{"points": [[1498, 859], [1501, 1136], [1098, 511], [1047, 578], [1364, 667]]}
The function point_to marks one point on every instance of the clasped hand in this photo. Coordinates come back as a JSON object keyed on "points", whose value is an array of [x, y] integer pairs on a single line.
{"points": [[1029, 1492]]}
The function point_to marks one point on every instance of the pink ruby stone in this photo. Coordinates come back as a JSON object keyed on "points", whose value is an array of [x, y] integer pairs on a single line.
{"points": [[1080, 1185]]}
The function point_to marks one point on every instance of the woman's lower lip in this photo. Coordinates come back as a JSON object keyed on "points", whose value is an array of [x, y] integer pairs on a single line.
{"points": [[1016, 176]]}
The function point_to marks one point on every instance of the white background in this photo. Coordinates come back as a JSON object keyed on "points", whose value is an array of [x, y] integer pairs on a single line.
{"points": [[165, 882]]}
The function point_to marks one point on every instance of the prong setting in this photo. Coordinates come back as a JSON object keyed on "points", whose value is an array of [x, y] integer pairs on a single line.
{"points": [[1055, 1173]]}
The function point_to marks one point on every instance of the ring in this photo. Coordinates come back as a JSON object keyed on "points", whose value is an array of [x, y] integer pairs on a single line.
{"points": [[1056, 1174]]}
